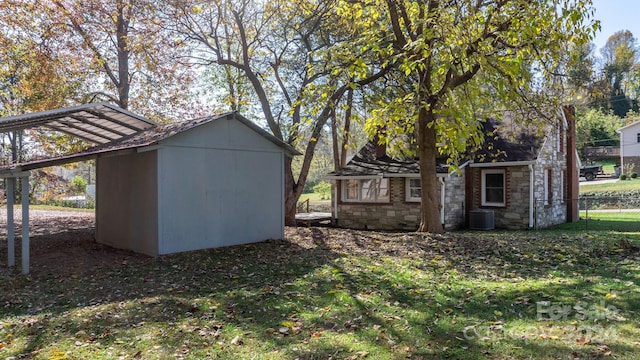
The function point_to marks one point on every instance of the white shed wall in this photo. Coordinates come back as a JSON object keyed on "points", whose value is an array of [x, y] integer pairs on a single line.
{"points": [[126, 202], [220, 184]]}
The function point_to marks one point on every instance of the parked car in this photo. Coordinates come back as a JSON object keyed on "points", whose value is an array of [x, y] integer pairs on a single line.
{"points": [[591, 172]]}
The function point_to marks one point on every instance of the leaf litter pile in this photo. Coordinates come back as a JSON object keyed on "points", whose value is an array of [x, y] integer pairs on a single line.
{"points": [[324, 293]]}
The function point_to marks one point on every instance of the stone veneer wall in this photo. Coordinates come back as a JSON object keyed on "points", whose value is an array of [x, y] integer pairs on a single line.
{"points": [[515, 215], [401, 215], [454, 202], [398, 214], [553, 158]]}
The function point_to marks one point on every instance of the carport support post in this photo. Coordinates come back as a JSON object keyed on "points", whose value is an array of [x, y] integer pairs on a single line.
{"points": [[11, 246], [25, 224]]}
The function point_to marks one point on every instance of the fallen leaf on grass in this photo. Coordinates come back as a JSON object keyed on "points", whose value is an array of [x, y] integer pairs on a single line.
{"points": [[237, 341], [602, 350], [359, 355], [548, 337], [582, 341]]}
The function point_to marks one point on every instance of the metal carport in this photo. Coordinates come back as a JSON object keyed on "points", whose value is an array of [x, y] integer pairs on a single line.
{"points": [[98, 123]]}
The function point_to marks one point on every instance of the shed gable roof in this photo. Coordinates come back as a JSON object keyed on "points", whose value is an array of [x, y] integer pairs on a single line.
{"points": [[148, 137]]}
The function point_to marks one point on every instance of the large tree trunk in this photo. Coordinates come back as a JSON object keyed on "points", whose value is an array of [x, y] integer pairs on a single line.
{"points": [[291, 194], [335, 142], [122, 32], [347, 129], [430, 209]]}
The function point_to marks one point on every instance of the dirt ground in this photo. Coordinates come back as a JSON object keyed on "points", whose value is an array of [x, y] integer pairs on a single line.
{"points": [[62, 242]]}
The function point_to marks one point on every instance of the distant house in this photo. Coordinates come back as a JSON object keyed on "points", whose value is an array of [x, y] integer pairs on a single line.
{"points": [[522, 178], [630, 145]]}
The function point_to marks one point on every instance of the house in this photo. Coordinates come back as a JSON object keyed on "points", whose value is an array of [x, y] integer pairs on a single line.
{"points": [[630, 146], [525, 180], [161, 189]]}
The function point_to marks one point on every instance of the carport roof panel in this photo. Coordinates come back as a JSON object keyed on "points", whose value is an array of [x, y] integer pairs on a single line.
{"points": [[99, 123]]}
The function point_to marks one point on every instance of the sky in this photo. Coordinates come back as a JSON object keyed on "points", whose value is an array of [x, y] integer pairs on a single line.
{"points": [[615, 15]]}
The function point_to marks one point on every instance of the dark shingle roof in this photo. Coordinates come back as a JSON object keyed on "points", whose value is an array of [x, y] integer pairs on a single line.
{"points": [[365, 163], [495, 149], [499, 147]]}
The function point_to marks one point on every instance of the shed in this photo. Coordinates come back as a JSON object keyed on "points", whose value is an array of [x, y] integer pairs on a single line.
{"points": [[212, 182], [188, 185]]}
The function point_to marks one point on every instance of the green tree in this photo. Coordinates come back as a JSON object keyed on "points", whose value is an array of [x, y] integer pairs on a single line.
{"points": [[78, 185], [580, 66], [462, 55], [119, 49], [32, 78], [596, 128], [298, 57], [620, 54]]}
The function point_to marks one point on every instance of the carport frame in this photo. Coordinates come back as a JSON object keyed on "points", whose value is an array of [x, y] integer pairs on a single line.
{"points": [[10, 178], [100, 123]]}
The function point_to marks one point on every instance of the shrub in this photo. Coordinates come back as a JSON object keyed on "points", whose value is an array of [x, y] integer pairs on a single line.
{"points": [[78, 184], [629, 169], [634, 175], [623, 177]]}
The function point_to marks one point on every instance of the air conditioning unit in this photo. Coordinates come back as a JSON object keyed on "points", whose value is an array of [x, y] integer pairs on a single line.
{"points": [[481, 220]]}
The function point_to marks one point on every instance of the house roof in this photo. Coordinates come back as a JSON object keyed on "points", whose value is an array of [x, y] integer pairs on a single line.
{"points": [[99, 123], [628, 126], [149, 137], [497, 148], [365, 163]]}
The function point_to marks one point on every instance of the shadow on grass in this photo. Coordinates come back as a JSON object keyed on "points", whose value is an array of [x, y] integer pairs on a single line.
{"points": [[329, 293]]}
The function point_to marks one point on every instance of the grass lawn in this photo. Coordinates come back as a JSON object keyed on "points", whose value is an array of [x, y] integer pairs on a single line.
{"points": [[620, 185], [338, 294], [317, 202], [315, 197], [607, 165], [606, 220]]}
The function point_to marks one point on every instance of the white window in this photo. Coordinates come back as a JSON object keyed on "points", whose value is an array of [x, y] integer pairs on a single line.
{"points": [[413, 189], [493, 187], [365, 190]]}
